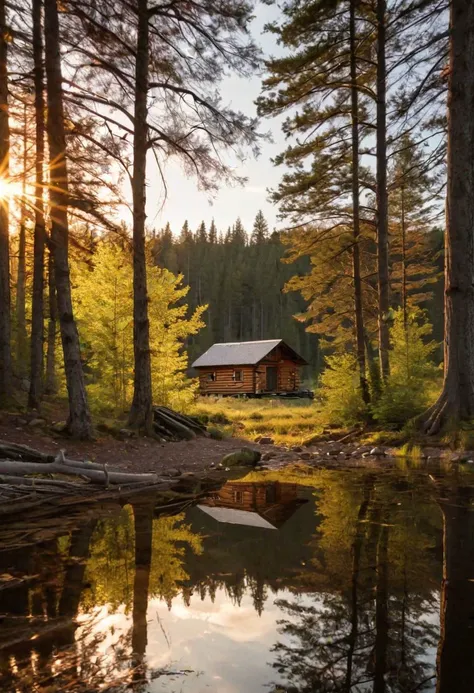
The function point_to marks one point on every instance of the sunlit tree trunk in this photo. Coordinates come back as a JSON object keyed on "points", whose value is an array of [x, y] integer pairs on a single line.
{"points": [[456, 401], [358, 309], [5, 322], [37, 309], [382, 196], [79, 422], [141, 410], [50, 379], [21, 336]]}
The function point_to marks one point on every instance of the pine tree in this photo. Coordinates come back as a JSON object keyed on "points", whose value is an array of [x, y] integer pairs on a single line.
{"points": [[79, 417], [260, 231]]}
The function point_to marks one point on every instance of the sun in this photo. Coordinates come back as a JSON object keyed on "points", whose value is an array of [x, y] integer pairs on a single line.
{"points": [[8, 189]]}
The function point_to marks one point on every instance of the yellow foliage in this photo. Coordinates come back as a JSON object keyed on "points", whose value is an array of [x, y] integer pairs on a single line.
{"points": [[104, 309]]}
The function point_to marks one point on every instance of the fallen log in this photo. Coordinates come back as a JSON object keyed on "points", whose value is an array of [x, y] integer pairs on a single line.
{"points": [[174, 426], [188, 421], [19, 468], [15, 451]]}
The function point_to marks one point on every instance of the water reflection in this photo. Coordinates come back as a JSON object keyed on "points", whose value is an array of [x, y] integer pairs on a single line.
{"points": [[330, 581]]}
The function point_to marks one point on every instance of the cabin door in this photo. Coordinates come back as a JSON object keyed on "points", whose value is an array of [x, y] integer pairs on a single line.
{"points": [[272, 378]]}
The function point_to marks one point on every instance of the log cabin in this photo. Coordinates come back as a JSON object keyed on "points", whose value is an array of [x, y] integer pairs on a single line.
{"points": [[267, 505], [250, 368]]}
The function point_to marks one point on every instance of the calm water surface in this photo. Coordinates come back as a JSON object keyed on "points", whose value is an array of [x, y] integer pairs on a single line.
{"points": [[348, 581]]}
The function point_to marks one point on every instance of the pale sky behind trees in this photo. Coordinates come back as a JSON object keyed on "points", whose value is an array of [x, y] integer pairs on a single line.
{"points": [[185, 201]]}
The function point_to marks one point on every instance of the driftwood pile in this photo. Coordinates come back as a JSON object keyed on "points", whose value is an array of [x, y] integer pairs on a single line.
{"points": [[29, 478], [170, 425]]}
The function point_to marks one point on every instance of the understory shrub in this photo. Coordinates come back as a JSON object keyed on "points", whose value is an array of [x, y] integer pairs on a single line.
{"points": [[340, 390], [413, 375]]}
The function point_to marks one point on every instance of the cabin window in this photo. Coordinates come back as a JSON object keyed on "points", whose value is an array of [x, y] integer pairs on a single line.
{"points": [[237, 376], [211, 377], [238, 497]]}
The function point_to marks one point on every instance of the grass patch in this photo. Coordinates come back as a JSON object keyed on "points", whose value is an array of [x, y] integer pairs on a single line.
{"points": [[288, 422]]}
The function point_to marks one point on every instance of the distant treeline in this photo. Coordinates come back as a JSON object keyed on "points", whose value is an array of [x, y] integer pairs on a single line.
{"points": [[240, 275]]}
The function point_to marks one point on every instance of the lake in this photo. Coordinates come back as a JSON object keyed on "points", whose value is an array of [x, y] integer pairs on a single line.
{"points": [[292, 581]]}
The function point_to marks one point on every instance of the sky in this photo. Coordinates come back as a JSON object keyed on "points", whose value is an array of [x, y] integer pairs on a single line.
{"points": [[185, 201]]}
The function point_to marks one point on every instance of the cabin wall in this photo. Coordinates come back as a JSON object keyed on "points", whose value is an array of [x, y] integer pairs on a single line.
{"points": [[224, 384]]}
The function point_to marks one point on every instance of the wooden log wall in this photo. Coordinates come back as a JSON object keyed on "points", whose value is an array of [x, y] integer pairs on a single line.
{"points": [[225, 383]]}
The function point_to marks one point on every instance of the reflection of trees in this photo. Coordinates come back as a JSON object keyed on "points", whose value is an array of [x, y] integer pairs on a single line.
{"points": [[53, 639], [456, 646], [366, 629]]}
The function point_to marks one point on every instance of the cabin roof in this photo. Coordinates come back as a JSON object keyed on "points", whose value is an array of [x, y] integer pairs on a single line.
{"points": [[241, 353], [236, 517]]}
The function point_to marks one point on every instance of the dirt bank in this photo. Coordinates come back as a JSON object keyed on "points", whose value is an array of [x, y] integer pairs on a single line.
{"points": [[133, 454]]}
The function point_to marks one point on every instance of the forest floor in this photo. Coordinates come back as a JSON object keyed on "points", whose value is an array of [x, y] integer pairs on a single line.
{"points": [[133, 454], [285, 432]]}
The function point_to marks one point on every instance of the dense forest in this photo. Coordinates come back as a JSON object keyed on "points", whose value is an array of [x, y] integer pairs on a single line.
{"points": [[376, 96], [241, 276]]}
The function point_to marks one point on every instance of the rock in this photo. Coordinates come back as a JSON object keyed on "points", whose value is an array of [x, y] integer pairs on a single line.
{"points": [[25, 385], [173, 472], [59, 427], [268, 456], [377, 452], [312, 440], [126, 433], [245, 457], [266, 440], [305, 455], [22, 422], [296, 448], [36, 422]]}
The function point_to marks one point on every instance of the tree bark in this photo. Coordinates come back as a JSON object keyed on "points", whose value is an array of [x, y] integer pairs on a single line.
{"points": [[79, 417], [37, 310], [50, 380], [5, 322], [382, 196], [21, 336], [358, 306], [141, 411], [456, 402]]}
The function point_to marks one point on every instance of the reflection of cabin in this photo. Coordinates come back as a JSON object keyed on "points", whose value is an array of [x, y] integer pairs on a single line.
{"points": [[249, 368], [266, 504]]}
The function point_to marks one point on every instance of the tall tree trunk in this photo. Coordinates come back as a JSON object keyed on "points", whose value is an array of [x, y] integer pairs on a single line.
{"points": [[456, 401], [358, 309], [382, 196], [404, 280], [21, 336], [141, 411], [37, 310], [50, 379], [5, 323], [79, 422]]}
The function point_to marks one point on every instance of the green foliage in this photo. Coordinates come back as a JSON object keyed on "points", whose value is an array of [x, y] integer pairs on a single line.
{"points": [[413, 374], [340, 390], [103, 295]]}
